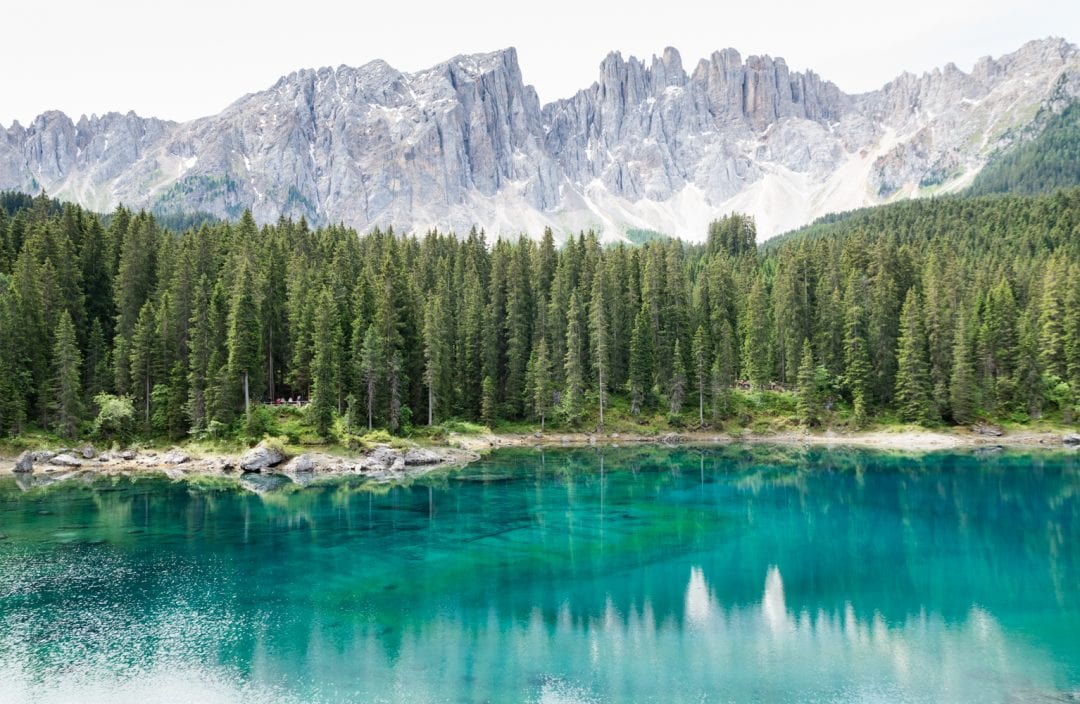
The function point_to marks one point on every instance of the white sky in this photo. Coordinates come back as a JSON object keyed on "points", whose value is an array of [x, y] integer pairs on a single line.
{"points": [[181, 60]]}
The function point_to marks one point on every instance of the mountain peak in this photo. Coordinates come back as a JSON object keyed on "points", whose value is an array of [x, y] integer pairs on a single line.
{"points": [[467, 142]]}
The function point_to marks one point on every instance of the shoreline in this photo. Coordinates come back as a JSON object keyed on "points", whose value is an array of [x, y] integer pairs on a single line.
{"points": [[385, 464], [903, 440]]}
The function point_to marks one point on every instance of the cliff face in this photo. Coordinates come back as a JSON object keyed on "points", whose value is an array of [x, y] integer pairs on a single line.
{"points": [[649, 145]]}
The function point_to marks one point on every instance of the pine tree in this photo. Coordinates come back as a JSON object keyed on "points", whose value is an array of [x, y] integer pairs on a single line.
{"points": [[573, 367], [808, 405], [723, 372], [962, 383], [599, 335], [857, 367], [487, 401], [1052, 331], [701, 369], [757, 360], [324, 372], [541, 381], [371, 362], [144, 359], [640, 383], [677, 386], [245, 337], [66, 404], [913, 386]]}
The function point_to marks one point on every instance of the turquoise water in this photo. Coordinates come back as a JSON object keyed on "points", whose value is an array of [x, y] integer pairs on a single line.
{"points": [[733, 575]]}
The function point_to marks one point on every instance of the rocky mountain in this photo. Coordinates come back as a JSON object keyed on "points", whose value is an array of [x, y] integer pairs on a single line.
{"points": [[650, 145]]}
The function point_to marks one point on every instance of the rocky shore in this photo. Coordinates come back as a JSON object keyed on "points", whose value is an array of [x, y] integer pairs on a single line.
{"points": [[260, 468], [266, 466]]}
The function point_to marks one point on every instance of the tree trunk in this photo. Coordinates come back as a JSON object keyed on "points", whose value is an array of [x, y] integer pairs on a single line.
{"points": [[601, 396]]}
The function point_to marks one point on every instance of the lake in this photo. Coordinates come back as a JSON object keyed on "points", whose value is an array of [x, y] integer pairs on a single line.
{"points": [[739, 574]]}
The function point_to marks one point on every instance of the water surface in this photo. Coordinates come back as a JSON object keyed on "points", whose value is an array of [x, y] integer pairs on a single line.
{"points": [[726, 575]]}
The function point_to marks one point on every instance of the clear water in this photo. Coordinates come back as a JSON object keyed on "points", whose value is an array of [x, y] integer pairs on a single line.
{"points": [[735, 575]]}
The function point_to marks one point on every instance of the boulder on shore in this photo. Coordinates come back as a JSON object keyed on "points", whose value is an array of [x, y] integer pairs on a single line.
{"points": [[25, 463], [65, 461], [420, 457], [1071, 439], [261, 457], [300, 464], [42, 455], [386, 456], [175, 456], [128, 455], [88, 452], [988, 430]]}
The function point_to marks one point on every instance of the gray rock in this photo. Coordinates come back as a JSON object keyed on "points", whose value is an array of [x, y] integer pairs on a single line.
{"points": [[261, 457], [671, 439], [1071, 439], [398, 465], [88, 452], [175, 456], [66, 461], [988, 430], [468, 142], [386, 456], [418, 457], [298, 464], [42, 455], [128, 455], [25, 463]]}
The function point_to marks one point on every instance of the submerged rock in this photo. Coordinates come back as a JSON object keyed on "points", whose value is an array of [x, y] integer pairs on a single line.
{"points": [[263, 483], [25, 463], [261, 457]]}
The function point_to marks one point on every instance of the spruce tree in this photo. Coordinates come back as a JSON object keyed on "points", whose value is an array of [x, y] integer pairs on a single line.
{"points": [[67, 406], [723, 372], [962, 383], [324, 373], [573, 366], [245, 338], [808, 405], [640, 383], [677, 385], [143, 359], [701, 369], [371, 363], [914, 397], [599, 336], [541, 381]]}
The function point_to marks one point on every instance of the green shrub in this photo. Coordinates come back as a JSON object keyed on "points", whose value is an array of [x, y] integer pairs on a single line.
{"points": [[115, 419]]}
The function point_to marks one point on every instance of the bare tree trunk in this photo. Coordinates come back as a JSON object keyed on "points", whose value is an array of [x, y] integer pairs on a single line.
{"points": [[601, 370], [247, 399]]}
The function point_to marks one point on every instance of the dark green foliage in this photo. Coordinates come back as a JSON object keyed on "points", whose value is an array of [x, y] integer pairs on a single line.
{"points": [[809, 405], [913, 387], [67, 406], [1049, 161], [168, 326]]}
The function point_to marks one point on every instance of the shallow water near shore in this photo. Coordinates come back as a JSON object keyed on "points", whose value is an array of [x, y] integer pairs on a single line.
{"points": [[747, 574]]}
